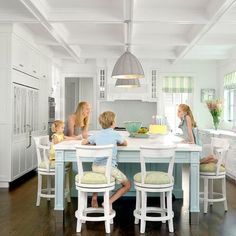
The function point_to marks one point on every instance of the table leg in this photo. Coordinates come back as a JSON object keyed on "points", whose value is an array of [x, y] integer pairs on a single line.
{"points": [[194, 188], [59, 185]]}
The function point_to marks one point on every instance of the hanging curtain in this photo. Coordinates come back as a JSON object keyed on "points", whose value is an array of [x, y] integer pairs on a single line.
{"points": [[178, 84], [230, 80]]}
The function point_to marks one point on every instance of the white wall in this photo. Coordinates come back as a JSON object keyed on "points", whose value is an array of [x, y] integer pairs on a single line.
{"points": [[130, 111], [203, 72]]}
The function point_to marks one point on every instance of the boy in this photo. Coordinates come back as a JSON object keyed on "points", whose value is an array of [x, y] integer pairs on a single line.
{"points": [[105, 137]]}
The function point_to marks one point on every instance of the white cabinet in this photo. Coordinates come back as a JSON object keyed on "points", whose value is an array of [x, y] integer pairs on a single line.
{"points": [[149, 89], [27, 59], [25, 74], [20, 55], [25, 118]]}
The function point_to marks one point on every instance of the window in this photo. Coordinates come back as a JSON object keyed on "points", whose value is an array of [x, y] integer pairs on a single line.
{"points": [[230, 97], [176, 90], [171, 102]]}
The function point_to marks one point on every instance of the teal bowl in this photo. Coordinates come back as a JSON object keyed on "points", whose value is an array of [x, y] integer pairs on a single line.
{"points": [[132, 126]]}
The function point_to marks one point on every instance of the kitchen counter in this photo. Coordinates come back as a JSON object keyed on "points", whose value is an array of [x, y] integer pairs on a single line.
{"points": [[128, 159], [220, 131]]}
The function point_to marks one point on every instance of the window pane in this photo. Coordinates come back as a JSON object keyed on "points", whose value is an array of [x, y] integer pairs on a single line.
{"points": [[171, 102]]}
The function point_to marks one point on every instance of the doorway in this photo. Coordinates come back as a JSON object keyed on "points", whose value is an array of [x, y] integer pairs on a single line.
{"points": [[76, 90]]}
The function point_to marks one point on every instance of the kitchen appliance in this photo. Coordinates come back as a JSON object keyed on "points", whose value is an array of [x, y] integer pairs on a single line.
{"points": [[51, 114]]}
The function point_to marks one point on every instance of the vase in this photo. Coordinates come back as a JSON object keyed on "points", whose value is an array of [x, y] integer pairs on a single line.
{"points": [[216, 121]]}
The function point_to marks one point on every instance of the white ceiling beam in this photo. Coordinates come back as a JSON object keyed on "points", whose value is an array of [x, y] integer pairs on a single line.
{"points": [[41, 16], [220, 12]]}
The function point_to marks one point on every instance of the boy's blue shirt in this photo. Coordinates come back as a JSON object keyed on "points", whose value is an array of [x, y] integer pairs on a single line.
{"points": [[106, 137]]}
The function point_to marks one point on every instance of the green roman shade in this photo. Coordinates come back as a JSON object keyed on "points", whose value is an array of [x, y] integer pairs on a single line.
{"points": [[230, 80], [178, 84]]}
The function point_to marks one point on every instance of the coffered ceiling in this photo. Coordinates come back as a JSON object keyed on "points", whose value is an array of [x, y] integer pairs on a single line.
{"points": [[155, 29]]}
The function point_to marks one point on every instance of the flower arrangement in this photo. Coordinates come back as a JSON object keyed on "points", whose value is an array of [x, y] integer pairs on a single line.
{"points": [[215, 107]]}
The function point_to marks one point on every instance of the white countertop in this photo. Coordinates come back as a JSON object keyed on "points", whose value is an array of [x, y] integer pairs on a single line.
{"points": [[221, 131], [135, 143]]}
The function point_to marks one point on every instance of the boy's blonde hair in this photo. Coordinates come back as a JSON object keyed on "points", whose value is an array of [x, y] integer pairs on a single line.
{"points": [[80, 120], [56, 124], [106, 119], [188, 112]]}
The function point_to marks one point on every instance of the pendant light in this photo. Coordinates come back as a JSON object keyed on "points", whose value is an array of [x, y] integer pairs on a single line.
{"points": [[127, 83], [128, 66]]}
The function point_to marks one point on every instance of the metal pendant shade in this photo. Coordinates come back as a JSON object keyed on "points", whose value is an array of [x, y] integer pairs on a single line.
{"points": [[127, 83], [127, 67]]}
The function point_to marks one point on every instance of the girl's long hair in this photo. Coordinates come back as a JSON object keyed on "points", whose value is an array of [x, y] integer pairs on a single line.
{"points": [[188, 111], [81, 121]]}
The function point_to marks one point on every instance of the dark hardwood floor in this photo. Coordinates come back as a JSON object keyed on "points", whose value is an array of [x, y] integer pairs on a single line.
{"points": [[19, 216]]}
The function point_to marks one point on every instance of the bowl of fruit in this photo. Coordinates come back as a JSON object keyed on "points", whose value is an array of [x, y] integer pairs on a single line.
{"points": [[132, 127]]}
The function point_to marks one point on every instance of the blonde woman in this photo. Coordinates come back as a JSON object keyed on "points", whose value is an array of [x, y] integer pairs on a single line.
{"points": [[78, 122]]}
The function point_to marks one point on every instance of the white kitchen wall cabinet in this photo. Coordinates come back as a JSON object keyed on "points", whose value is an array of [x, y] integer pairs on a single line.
{"points": [[25, 75], [102, 84]]}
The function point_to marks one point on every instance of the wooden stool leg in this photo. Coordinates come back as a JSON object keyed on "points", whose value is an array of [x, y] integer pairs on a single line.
{"points": [[137, 208], [39, 189], [143, 211], [49, 186], [80, 212], [205, 195], [211, 190], [224, 193], [107, 212], [163, 205], [169, 211]]}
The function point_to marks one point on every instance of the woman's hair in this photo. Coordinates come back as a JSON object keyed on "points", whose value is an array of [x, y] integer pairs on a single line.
{"points": [[106, 119], [56, 124], [188, 111], [81, 121]]}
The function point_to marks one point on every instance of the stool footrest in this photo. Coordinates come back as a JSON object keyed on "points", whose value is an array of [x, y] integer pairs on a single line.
{"points": [[91, 210], [155, 210]]}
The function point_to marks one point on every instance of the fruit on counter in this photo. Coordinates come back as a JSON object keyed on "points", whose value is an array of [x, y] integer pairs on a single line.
{"points": [[142, 130]]}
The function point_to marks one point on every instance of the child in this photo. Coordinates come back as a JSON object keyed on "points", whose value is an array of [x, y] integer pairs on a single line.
{"points": [[187, 123], [58, 136], [105, 137], [189, 128]]}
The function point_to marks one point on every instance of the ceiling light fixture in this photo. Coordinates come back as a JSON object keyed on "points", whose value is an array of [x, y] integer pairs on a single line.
{"points": [[128, 66], [127, 83]]}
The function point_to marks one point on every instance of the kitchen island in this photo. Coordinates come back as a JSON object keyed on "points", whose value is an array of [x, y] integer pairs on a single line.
{"points": [[129, 155]]}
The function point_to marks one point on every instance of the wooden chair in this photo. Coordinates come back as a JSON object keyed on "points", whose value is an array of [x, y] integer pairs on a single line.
{"points": [[92, 182], [154, 182], [212, 171], [47, 168]]}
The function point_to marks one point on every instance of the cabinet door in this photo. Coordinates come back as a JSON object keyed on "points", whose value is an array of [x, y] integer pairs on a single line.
{"points": [[20, 55], [35, 63], [25, 124]]}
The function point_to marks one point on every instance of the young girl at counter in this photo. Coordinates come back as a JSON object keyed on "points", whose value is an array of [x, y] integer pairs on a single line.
{"points": [[58, 136], [190, 133]]}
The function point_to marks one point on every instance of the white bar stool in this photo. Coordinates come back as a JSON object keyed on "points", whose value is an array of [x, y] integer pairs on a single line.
{"points": [[212, 171], [155, 182], [47, 168], [92, 182]]}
